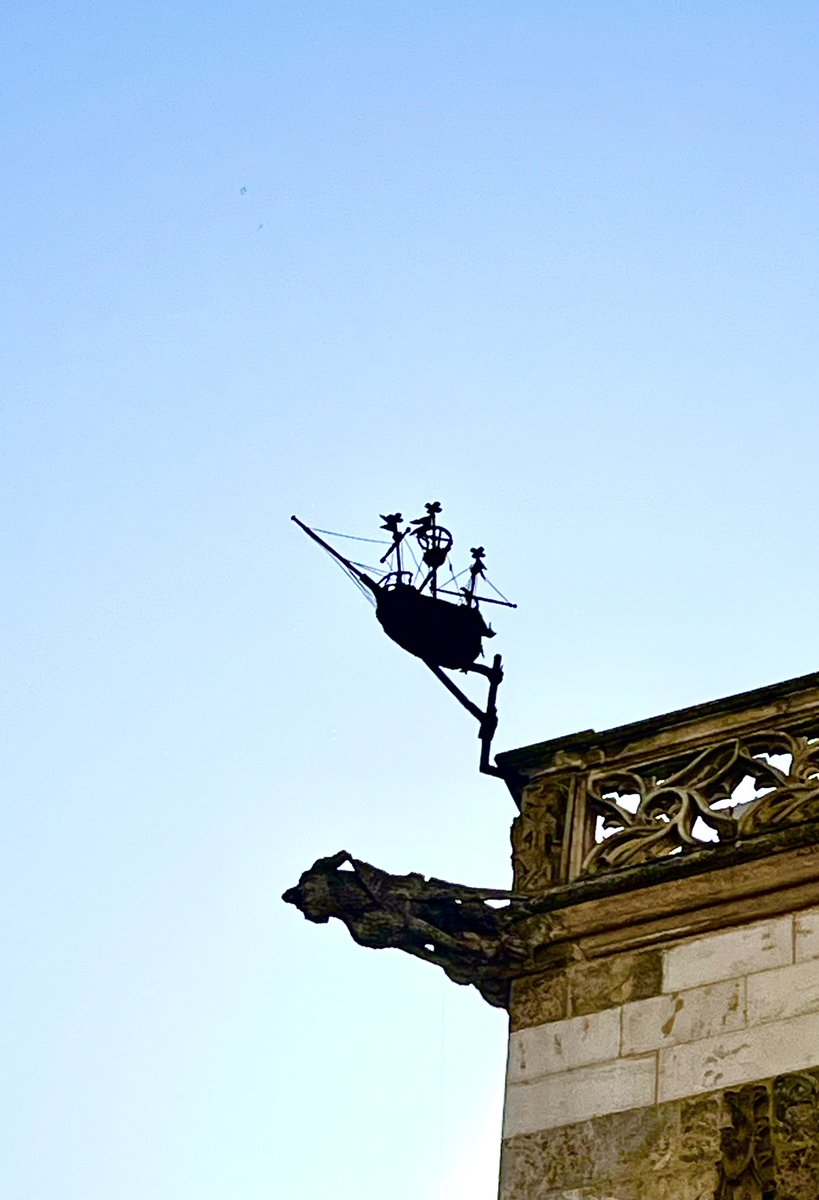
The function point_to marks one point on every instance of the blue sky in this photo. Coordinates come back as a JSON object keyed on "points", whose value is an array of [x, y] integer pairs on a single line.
{"points": [[554, 265]]}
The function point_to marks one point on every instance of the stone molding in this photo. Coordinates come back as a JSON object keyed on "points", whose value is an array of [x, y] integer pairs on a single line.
{"points": [[586, 923]]}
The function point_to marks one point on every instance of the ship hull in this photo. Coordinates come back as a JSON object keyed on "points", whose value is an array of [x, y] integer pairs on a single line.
{"points": [[447, 635]]}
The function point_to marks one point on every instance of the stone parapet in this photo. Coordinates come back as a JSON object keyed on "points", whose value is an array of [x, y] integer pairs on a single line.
{"points": [[723, 773]]}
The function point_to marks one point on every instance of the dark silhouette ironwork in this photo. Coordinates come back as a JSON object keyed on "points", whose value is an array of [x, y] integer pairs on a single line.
{"points": [[446, 636]]}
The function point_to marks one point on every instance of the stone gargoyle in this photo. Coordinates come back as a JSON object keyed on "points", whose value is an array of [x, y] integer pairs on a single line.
{"points": [[478, 936]]}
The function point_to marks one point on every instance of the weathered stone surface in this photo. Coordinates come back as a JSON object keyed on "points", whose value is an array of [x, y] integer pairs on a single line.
{"points": [[699, 1123], [683, 1016], [746, 1162], [537, 836], [681, 1150], [786, 992], [554, 1100], [665, 1153], [721, 1143], [635, 909], [608, 981], [806, 934], [795, 1131], [539, 998], [536, 1164], [737, 1058], [730, 954], [583, 988], [563, 1045], [760, 1141], [580, 1194]]}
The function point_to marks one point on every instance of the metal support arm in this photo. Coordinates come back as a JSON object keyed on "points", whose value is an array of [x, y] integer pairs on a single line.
{"points": [[487, 721]]}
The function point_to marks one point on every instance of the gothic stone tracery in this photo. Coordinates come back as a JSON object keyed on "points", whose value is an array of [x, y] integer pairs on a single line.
{"points": [[678, 808]]}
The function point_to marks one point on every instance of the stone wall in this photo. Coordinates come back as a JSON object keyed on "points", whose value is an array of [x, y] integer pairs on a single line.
{"points": [[664, 1023], [682, 1072]]}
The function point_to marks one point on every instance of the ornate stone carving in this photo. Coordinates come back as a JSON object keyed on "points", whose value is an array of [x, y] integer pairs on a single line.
{"points": [[794, 794], [799, 1090], [695, 803], [453, 926], [537, 837], [796, 1134], [746, 1167]]}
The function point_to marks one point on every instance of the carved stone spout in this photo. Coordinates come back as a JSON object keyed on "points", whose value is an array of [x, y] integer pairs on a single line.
{"points": [[457, 928]]}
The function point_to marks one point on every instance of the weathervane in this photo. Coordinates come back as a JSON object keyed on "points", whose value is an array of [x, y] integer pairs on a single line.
{"points": [[410, 606]]}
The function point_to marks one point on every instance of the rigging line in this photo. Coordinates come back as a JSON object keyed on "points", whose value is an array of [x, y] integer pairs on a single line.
{"points": [[352, 538], [361, 566], [499, 592], [353, 569], [368, 596], [365, 591], [343, 567], [411, 549]]}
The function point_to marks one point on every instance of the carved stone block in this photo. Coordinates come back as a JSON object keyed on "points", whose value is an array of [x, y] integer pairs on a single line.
{"points": [[746, 1166], [537, 836]]}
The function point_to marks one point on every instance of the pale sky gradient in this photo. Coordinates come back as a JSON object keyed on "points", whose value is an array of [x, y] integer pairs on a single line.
{"points": [[552, 264]]}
